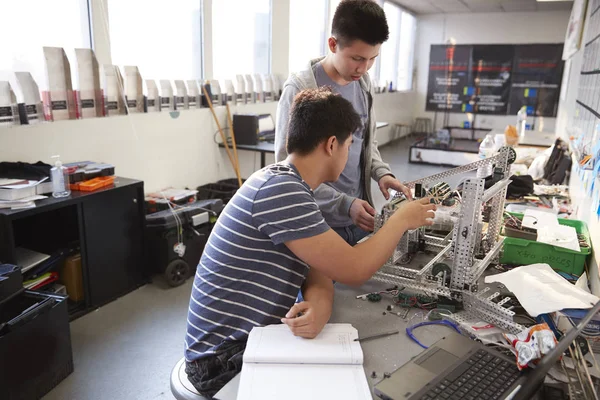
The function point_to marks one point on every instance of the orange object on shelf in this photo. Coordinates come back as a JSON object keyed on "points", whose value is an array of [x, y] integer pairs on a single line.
{"points": [[93, 184]]}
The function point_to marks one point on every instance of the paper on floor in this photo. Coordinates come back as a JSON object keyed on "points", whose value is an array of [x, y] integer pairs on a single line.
{"points": [[541, 290]]}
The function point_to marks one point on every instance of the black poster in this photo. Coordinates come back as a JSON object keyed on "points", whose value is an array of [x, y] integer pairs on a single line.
{"points": [[495, 79], [491, 77], [537, 75], [448, 75]]}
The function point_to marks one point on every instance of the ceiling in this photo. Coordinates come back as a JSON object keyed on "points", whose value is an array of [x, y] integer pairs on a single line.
{"points": [[477, 6]]}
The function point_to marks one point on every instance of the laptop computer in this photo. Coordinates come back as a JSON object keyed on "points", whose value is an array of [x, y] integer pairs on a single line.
{"points": [[456, 367]]}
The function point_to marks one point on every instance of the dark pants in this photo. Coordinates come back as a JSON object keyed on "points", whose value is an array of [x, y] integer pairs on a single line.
{"points": [[351, 234], [210, 374]]}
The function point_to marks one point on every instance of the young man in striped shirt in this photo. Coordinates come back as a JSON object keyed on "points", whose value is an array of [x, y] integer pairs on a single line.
{"points": [[272, 241]]}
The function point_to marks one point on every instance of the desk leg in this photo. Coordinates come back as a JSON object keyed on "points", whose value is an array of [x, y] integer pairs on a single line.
{"points": [[262, 160]]}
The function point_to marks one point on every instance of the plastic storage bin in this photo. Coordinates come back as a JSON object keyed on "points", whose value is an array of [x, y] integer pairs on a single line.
{"points": [[223, 189], [35, 340], [523, 252], [162, 236]]}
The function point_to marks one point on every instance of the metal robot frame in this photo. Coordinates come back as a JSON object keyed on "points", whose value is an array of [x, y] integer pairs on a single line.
{"points": [[461, 248]]}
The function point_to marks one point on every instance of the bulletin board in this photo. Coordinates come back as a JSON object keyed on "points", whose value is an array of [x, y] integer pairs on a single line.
{"points": [[495, 79]]}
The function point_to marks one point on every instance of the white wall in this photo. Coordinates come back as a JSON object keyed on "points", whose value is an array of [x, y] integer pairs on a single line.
{"points": [[484, 28], [157, 148], [581, 201]]}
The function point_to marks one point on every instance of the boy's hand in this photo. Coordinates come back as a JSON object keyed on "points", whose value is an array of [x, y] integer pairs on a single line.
{"points": [[362, 214], [389, 182], [311, 321], [417, 213]]}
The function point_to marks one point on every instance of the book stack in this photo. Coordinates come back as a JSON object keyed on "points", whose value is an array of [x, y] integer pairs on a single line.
{"points": [[18, 194]]}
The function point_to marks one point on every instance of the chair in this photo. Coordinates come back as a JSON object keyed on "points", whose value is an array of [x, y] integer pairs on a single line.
{"points": [[423, 125], [401, 131], [181, 387]]}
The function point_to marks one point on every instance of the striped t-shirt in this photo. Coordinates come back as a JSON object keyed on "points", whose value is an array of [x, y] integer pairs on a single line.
{"points": [[247, 277]]}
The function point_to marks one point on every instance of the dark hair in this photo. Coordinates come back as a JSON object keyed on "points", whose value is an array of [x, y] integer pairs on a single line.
{"points": [[316, 115], [359, 19]]}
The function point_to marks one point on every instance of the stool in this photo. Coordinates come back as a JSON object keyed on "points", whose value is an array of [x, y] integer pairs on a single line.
{"points": [[402, 131], [181, 387], [423, 125]]}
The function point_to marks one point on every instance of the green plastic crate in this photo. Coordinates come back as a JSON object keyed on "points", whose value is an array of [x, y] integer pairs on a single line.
{"points": [[525, 252]]}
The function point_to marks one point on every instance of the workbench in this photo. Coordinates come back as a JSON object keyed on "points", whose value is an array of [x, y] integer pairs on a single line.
{"points": [[388, 353]]}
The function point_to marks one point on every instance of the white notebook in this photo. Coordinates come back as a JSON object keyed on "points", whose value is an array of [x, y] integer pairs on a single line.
{"points": [[279, 365]]}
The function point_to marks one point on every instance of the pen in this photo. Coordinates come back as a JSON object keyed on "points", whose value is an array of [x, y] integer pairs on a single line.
{"points": [[361, 339]]}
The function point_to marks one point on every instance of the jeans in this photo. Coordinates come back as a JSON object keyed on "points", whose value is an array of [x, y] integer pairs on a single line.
{"points": [[210, 374], [351, 234]]}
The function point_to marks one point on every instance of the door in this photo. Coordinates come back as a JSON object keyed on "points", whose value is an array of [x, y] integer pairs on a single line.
{"points": [[113, 242]]}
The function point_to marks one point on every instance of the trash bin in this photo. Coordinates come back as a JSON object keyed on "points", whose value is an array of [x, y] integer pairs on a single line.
{"points": [[164, 233], [223, 189], [35, 339]]}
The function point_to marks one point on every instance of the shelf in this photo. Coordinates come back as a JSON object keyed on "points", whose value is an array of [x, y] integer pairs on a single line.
{"points": [[590, 72]]}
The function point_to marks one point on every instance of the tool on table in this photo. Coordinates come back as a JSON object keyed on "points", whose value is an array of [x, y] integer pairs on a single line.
{"points": [[377, 336]]}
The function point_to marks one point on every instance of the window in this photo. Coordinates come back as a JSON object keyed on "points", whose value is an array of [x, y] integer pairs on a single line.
{"points": [[241, 39], [165, 42], [397, 54], [406, 51], [27, 26], [389, 50], [306, 44], [333, 5]]}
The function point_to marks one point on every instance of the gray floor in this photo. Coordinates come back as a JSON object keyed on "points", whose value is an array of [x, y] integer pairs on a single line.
{"points": [[126, 349]]}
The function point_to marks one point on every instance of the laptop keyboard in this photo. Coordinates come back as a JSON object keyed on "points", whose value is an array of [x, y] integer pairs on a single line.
{"points": [[481, 377]]}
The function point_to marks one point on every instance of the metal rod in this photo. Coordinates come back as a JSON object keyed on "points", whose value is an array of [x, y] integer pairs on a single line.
{"points": [[491, 192], [434, 260], [377, 336]]}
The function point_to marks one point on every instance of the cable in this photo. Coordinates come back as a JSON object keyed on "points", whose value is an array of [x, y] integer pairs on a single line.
{"points": [[409, 330], [215, 136]]}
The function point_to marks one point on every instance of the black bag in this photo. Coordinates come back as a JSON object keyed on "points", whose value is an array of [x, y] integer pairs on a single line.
{"points": [[521, 185]]}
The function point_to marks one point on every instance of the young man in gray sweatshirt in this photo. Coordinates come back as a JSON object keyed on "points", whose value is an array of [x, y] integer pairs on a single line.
{"points": [[359, 28]]}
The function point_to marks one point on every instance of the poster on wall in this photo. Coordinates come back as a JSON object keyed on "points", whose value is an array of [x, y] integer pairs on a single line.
{"points": [[536, 79], [449, 68], [574, 33], [495, 79], [491, 78]]}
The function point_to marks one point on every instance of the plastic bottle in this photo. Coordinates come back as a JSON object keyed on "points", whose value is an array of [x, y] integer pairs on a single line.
{"points": [[521, 121], [486, 149], [60, 179]]}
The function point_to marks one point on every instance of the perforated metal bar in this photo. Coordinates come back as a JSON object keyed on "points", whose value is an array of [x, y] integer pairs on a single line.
{"points": [[497, 209], [491, 312], [481, 266], [498, 158], [430, 289], [464, 236]]}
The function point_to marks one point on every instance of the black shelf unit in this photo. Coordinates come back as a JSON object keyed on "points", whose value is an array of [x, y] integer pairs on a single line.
{"points": [[108, 224]]}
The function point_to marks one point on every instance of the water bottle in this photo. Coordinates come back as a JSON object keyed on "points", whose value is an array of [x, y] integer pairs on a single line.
{"points": [[486, 149], [521, 121], [60, 180]]}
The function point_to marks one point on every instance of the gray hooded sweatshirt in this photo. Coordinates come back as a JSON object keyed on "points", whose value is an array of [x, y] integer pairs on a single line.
{"points": [[334, 205]]}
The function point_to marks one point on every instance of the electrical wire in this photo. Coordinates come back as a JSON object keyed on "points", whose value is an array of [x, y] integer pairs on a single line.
{"points": [[410, 329]]}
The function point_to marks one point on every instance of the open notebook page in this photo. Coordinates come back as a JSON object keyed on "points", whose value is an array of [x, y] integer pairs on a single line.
{"points": [[303, 382], [277, 345]]}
